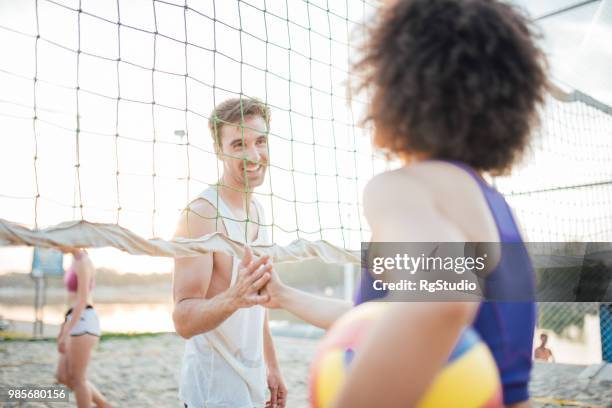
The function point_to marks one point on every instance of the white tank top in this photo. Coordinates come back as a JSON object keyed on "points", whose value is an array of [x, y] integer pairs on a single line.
{"points": [[225, 367]]}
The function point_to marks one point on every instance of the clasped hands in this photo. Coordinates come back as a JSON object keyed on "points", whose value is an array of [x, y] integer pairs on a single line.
{"points": [[257, 282]]}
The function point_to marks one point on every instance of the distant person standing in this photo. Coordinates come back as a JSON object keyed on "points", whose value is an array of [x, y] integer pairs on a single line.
{"points": [[542, 353], [79, 333]]}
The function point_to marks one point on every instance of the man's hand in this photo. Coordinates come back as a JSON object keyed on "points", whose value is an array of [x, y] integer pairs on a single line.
{"points": [[278, 390], [252, 277]]}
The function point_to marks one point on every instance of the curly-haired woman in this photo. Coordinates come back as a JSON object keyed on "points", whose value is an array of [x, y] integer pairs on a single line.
{"points": [[455, 86]]}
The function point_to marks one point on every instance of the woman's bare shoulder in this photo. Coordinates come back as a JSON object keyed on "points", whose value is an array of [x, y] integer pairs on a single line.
{"points": [[415, 183]]}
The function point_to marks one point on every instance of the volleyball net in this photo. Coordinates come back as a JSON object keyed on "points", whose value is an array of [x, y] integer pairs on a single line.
{"points": [[104, 116]]}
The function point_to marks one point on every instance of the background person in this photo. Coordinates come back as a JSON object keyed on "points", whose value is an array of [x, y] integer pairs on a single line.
{"points": [[542, 353], [80, 332]]}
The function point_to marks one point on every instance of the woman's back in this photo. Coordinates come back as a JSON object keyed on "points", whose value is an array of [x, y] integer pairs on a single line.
{"points": [[478, 213]]}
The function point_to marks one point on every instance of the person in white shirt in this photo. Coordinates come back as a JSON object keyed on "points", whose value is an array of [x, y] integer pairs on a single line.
{"points": [[229, 354]]}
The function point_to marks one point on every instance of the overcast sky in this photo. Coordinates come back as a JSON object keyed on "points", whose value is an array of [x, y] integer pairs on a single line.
{"points": [[579, 43]]}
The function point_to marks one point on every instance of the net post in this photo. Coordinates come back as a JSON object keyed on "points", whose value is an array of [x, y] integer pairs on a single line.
{"points": [[605, 327], [39, 287], [45, 262], [349, 281]]}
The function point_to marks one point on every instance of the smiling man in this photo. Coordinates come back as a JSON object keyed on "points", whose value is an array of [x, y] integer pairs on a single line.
{"points": [[229, 354]]}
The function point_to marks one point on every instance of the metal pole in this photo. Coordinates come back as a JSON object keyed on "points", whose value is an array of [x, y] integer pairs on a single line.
{"points": [[37, 307], [39, 302], [605, 327], [349, 282]]}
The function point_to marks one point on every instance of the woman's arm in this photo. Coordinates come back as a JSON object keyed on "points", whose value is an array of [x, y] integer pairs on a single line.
{"points": [[319, 311]]}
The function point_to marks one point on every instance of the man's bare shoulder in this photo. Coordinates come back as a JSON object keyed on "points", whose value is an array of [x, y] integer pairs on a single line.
{"points": [[199, 218]]}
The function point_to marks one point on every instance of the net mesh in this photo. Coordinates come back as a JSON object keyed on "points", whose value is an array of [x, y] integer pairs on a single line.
{"points": [[104, 115], [105, 110], [111, 109], [563, 190]]}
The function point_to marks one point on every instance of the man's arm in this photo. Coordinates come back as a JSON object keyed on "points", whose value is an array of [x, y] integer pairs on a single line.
{"points": [[269, 351], [552, 357], [276, 384], [193, 313]]}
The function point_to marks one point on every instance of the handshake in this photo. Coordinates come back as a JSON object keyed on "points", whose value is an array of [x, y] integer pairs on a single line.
{"points": [[257, 283]]}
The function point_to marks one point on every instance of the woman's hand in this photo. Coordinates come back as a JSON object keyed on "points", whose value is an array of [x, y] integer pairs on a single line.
{"points": [[61, 343], [275, 289]]}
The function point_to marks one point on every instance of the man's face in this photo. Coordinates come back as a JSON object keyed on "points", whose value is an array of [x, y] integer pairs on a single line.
{"points": [[244, 153], [544, 339]]}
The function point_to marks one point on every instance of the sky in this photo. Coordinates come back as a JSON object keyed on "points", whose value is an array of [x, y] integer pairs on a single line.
{"points": [[313, 129], [578, 44]]}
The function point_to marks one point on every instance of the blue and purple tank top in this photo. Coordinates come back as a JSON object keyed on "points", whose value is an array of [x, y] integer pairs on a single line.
{"points": [[506, 324]]}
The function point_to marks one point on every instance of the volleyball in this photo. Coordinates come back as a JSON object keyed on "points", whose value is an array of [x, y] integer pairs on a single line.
{"points": [[469, 379]]}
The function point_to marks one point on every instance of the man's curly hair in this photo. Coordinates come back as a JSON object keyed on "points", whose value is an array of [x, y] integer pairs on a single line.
{"points": [[456, 80]]}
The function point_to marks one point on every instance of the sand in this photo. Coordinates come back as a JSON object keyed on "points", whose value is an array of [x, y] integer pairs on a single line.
{"points": [[143, 371]]}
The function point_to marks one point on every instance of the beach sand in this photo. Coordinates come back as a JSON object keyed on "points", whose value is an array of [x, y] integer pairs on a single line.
{"points": [[143, 371]]}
